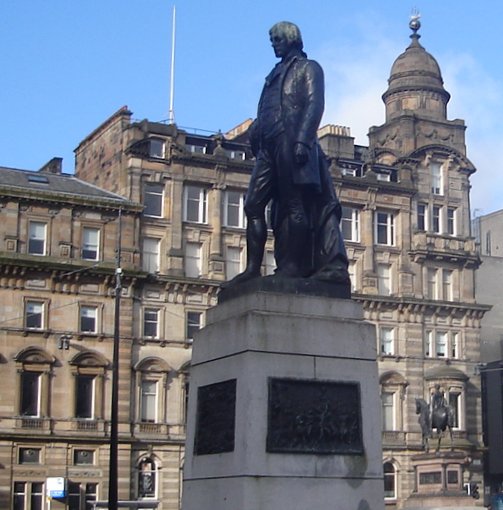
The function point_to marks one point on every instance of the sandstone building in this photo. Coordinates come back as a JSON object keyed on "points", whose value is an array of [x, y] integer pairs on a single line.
{"points": [[406, 222]]}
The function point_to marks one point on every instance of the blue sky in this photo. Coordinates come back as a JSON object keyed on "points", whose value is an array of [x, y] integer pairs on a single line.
{"points": [[67, 65]]}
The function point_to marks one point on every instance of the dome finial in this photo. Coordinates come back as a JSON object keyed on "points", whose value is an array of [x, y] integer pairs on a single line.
{"points": [[415, 24]]}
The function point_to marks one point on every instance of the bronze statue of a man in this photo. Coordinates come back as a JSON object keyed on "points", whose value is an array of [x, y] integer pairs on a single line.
{"points": [[292, 172]]}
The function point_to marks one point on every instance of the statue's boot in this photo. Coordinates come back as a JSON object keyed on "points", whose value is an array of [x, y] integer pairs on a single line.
{"points": [[256, 236]]}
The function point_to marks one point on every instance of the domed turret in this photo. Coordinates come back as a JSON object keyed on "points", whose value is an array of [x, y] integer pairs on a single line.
{"points": [[415, 82]]}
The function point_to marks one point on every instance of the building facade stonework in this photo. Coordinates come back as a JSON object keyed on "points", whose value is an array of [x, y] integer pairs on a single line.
{"points": [[406, 223]]}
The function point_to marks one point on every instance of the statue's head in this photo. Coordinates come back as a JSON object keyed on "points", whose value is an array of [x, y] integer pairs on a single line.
{"points": [[285, 36]]}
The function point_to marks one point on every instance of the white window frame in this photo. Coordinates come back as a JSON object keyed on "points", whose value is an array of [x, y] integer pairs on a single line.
{"points": [[28, 493], [199, 196], [451, 221], [234, 261], [422, 216], [432, 283], [151, 316], [236, 201], [145, 400], [154, 145], [394, 477], [35, 308], [436, 219], [437, 178], [384, 280], [447, 284], [387, 341], [384, 223], [37, 233], [388, 401], [353, 275], [350, 224], [92, 396], [88, 312], [193, 260], [38, 396], [151, 254], [190, 324], [155, 192], [155, 473], [442, 344], [90, 247]]}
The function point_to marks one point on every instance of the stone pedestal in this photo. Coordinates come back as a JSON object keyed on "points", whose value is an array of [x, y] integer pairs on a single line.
{"points": [[284, 407]]}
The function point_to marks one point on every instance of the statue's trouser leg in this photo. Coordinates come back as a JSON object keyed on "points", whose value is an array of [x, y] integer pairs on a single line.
{"points": [[259, 194]]}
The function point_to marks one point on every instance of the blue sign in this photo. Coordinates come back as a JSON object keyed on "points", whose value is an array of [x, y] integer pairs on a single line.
{"points": [[56, 487]]}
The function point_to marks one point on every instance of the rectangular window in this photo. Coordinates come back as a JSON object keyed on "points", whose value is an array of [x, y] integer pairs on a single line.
{"points": [[151, 323], [30, 394], [37, 232], [437, 184], [90, 243], [350, 224], [153, 193], [234, 263], [384, 279], [34, 315], [384, 228], [84, 396], [455, 345], [195, 204], [193, 262], [454, 400], [194, 323], [428, 344], [388, 411], [387, 337], [88, 319], [432, 283], [151, 252], [29, 455], [148, 401], [83, 457], [234, 214], [447, 285], [422, 210], [451, 221], [156, 148], [435, 220], [81, 495], [28, 496], [441, 344]]}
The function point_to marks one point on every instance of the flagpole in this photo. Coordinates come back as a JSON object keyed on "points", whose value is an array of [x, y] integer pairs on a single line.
{"points": [[171, 116]]}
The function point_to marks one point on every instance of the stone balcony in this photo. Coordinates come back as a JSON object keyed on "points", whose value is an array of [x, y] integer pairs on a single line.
{"points": [[426, 245]]}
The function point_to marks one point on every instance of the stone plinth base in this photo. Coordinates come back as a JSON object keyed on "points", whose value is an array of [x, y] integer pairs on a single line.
{"points": [[284, 408]]}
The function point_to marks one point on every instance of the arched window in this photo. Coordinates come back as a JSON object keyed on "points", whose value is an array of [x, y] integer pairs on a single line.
{"points": [[88, 370], [152, 380], [393, 387], [389, 480], [147, 478], [34, 366]]}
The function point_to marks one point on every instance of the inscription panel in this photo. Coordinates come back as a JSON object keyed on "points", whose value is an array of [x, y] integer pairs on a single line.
{"points": [[215, 418], [321, 417]]}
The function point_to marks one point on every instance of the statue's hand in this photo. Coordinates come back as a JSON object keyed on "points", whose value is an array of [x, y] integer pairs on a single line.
{"points": [[301, 153]]}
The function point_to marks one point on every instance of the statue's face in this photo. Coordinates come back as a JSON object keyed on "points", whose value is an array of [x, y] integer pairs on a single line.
{"points": [[280, 44]]}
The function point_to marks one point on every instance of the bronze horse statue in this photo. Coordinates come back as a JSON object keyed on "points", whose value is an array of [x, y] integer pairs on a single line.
{"points": [[441, 419]]}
